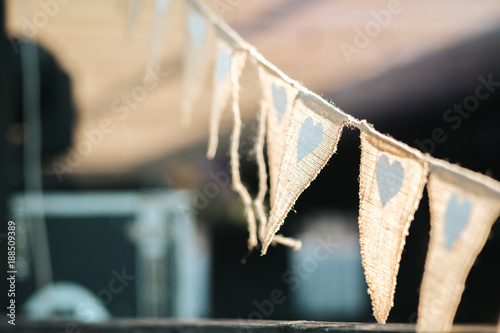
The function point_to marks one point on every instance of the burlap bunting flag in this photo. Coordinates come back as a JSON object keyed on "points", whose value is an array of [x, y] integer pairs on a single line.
{"points": [[226, 60], [463, 206], [197, 60], [279, 97], [391, 182], [313, 132], [276, 104]]}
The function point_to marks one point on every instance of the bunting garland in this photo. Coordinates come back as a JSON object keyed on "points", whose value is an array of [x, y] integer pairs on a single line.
{"points": [[302, 132]]}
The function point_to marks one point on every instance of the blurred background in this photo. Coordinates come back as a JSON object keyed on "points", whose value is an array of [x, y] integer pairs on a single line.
{"points": [[118, 212]]}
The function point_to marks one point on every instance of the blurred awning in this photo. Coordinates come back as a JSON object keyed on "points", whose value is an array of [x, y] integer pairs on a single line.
{"points": [[327, 45]]}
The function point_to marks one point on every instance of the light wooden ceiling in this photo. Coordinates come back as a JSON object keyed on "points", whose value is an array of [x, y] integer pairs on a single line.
{"points": [[303, 38]]}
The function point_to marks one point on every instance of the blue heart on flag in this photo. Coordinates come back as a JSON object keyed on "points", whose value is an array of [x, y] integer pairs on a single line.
{"points": [[310, 137], [279, 100], [197, 28], [389, 178], [456, 218], [223, 65]]}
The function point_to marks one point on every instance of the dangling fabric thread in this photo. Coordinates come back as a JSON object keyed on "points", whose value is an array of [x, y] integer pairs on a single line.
{"points": [[235, 163]]}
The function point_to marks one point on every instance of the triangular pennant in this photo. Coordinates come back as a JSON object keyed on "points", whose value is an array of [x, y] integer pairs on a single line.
{"points": [[313, 132], [226, 60], [275, 98], [279, 97], [391, 182], [463, 206], [198, 58]]}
